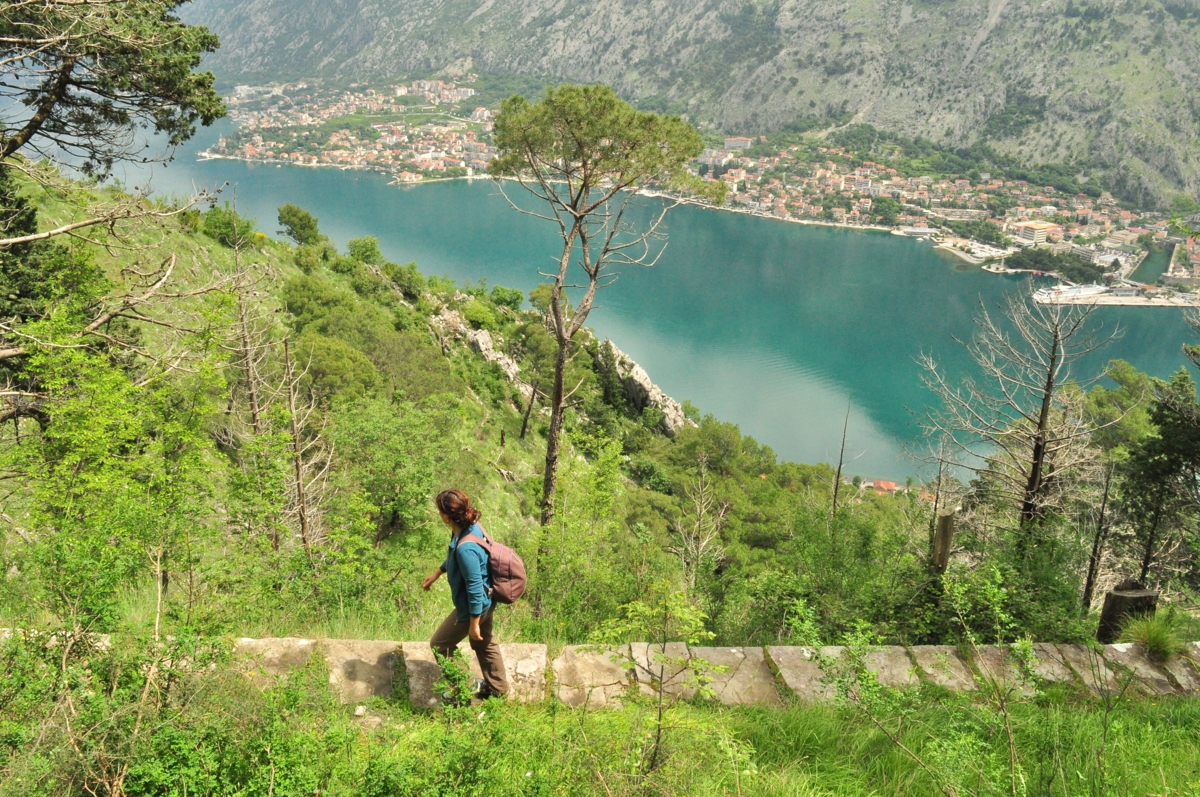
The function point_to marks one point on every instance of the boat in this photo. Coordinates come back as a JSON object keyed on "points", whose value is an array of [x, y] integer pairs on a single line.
{"points": [[1061, 293]]}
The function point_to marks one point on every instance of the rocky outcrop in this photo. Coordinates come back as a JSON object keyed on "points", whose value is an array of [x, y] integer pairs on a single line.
{"points": [[449, 325], [641, 391]]}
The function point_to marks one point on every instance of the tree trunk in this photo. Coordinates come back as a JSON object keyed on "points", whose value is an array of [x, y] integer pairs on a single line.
{"points": [[1031, 507], [554, 438], [248, 366], [529, 410], [1089, 587], [1151, 538], [298, 456]]}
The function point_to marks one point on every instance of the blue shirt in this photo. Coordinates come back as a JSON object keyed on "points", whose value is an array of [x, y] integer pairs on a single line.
{"points": [[466, 570]]}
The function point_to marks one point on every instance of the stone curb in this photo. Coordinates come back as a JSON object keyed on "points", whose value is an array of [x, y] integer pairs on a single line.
{"points": [[586, 676]]}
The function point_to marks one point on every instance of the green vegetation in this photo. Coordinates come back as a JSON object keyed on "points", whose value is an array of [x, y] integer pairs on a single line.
{"points": [[1068, 265], [205, 434]]}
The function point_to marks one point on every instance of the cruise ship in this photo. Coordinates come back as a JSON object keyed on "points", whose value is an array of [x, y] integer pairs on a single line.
{"points": [[1060, 293]]}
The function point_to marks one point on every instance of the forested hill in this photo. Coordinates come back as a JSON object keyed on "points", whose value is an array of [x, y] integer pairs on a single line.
{"points": [[1108, 84]]}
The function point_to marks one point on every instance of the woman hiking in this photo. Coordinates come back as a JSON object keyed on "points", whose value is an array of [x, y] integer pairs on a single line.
{"points": [[466, 571]]}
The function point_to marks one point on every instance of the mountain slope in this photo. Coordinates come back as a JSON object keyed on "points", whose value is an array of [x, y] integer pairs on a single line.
{"points": [[1111, 84]]}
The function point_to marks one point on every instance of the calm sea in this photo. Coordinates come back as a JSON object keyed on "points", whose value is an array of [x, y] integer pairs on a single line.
{"points": [[777, 327]]}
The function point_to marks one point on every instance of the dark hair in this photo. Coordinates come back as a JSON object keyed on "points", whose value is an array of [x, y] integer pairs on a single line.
{"points": [[455, 505]]}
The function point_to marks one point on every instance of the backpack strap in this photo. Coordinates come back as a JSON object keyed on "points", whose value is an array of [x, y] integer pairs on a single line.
{"points": [[487, 546]]}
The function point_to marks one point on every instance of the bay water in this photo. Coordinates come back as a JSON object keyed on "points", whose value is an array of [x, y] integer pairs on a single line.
{"points": [[779, 327]]}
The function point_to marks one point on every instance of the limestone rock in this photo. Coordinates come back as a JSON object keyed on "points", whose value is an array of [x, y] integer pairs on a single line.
{"points": [[642, 392], [892, 667], [524, 667], [1185, 673], [997, 664], [748, 679], [648, 669], [801, 673], [360, 669], [1049, 664], [422, 673], [1147, 677], [891, 664], [1090, 667], [590, 678], [942, 665], [267, 660], [481, 341]]}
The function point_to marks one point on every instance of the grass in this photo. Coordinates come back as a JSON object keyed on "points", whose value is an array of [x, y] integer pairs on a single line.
{"points": [[1160, 634]]}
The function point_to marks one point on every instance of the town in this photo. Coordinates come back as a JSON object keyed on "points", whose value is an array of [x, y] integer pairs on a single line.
{"points": [[436, 129]]}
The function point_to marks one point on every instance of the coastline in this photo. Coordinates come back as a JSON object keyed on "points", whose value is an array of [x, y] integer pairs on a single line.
{"points": [[991, 264]]}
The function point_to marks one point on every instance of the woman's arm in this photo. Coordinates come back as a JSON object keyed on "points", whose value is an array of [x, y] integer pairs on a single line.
{"points": [[432, 577]]}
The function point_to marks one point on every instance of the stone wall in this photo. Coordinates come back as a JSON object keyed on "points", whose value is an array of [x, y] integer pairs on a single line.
{"points": [[583, 675]]}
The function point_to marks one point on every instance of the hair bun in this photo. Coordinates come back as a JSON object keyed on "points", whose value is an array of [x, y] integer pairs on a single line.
{"points": [[455, 505]]}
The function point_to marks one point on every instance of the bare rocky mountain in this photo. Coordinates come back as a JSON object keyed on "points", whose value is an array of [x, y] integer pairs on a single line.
{"points": [[1111, 84]]}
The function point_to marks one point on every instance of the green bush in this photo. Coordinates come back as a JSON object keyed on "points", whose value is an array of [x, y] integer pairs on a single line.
{"points": [[365, 250], [407, 279], [479, 315], [506, 297], [225, 225]]}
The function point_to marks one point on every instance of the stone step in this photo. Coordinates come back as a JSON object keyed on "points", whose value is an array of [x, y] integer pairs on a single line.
{"points": [[583, 675]]}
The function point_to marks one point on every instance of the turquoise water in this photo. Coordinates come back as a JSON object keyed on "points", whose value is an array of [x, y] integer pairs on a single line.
{"points": [[778, 327], [1153, 267]]}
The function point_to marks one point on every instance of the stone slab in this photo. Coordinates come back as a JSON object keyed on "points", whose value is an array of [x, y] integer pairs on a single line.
{"points": [[422, 672], [657, 662], [801, 673], [943, 665], [1049, 664], [748, 679], [591, 678], [1185, 673], [268, 660], [525, 667], [1090, 667], [1147, 676], [996, 663], [891, 664], [361, 669], [892, 667]]}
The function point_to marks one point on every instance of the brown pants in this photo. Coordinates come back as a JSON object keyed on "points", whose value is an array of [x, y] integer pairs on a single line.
{"points": [[491, 664]]}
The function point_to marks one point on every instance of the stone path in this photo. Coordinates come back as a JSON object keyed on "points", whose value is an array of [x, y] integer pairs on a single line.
{"points": [[585, 676]]}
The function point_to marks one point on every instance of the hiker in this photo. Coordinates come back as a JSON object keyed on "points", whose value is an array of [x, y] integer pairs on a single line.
{"points": [[466, 569]]}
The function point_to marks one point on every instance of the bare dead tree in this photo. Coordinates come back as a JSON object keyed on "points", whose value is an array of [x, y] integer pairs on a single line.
{"points": [[698, 531], [311, 457], [148, 302], [1019, 427]]}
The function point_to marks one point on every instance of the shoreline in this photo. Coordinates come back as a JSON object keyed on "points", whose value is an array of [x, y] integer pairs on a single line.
{"points": [[991, 265]]}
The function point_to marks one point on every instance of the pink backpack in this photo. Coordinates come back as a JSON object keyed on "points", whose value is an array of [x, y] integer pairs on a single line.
{"points": [[505, 569]]}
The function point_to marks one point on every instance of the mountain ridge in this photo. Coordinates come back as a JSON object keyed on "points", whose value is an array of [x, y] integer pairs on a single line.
{"points": [[1108, 85]]}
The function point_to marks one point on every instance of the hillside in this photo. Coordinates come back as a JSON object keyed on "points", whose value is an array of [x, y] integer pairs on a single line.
{"points": [[1109, 85]]}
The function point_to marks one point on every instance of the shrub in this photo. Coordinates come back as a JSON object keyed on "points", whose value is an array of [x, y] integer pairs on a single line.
{"points": [[225, 225], [479, 315], [407, 279], [506, 297], [365, 250]]}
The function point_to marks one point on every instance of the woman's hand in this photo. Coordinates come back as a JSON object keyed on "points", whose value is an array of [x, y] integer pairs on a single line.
{"points": [[432, 577], [473, 630]]}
